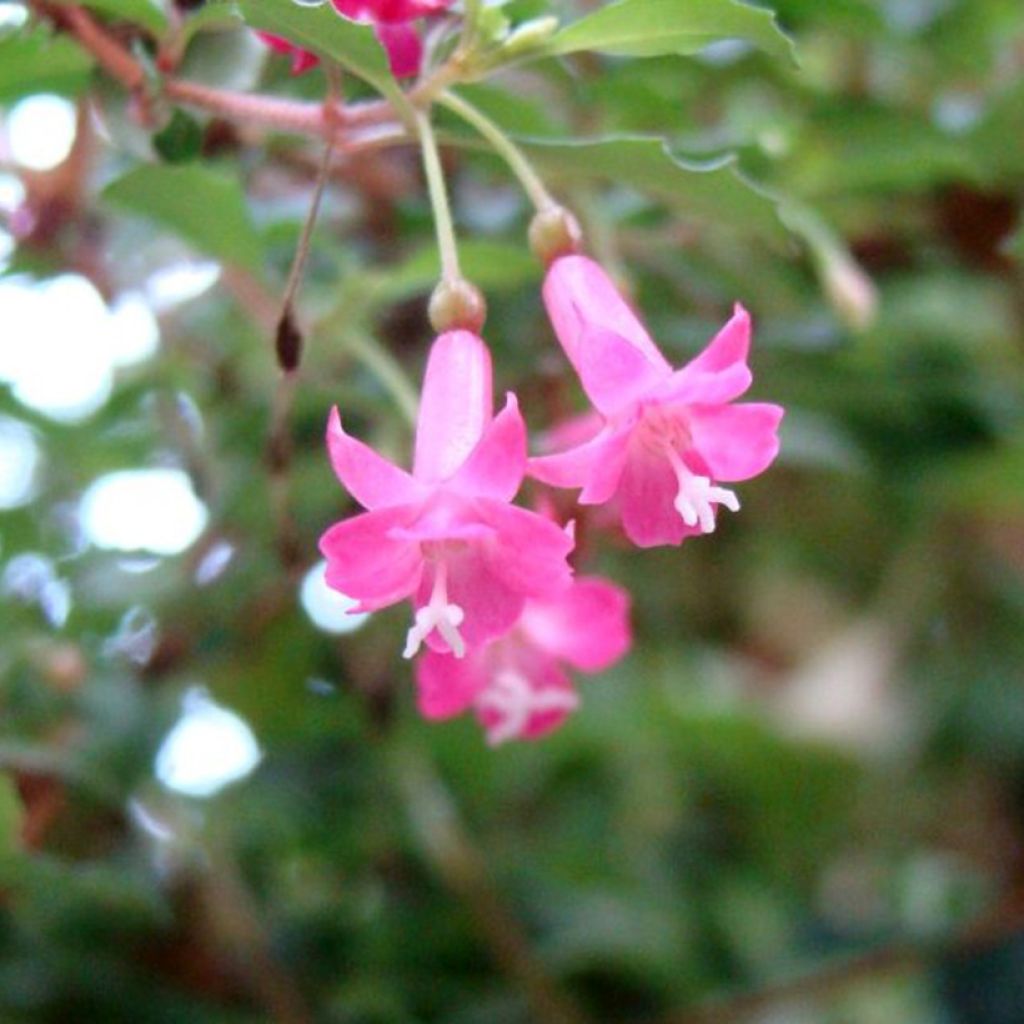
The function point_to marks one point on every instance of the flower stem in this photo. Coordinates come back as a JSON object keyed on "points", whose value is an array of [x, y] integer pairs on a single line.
{"points": [[505, 147], [446, 245]]}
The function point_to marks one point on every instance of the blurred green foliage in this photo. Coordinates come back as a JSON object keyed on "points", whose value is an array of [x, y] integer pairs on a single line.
{"points": [[816, 748]]}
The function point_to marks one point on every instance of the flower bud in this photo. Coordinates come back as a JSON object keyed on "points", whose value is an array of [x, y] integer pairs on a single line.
{"points": [[850, 291], [554, 232], [529, 35], [457, 304]]}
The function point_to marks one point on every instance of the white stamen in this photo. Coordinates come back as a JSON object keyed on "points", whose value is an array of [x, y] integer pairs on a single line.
{"points": [[440, 614], [511, 697], [697, 496]]}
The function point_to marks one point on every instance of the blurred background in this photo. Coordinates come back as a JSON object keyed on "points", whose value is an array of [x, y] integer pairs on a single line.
{"points": [[800, 799]]}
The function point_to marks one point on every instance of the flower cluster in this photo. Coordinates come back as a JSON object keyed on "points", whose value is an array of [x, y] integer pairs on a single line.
{"points": [[498, 616]]}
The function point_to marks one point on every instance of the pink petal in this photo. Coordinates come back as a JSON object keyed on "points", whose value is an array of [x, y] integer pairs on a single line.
{"points": [[614, 373], [735, 442], [388, 11], [455, 407], [402, 44], [446, 685], [302, 60], [720, 372], [730, 345], [371, 480], [595, 466], [529, 552], [496, 465], [587, 626], [647, 491], [686, 386], [365, 562], [490, 606], [579, 295], [540, 677]]}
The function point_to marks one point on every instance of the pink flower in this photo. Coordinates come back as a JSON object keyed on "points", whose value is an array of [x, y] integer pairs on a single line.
{"points": [[390, 19], [669, 438], [302, 60], [446, 535], [517, 686]]}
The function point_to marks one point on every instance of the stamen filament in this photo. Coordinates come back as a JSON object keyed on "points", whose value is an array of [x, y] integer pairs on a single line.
{"points": [[440, 614], [697, 496]]}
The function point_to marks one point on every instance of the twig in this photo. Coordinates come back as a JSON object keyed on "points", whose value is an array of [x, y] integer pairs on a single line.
{"points": [[833, 978], [436, 821]]}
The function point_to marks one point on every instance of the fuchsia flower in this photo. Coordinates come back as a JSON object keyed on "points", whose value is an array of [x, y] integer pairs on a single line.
{"points": [[517, 685], [302, 60], [390, 19], [669, 438], [446, 535]]}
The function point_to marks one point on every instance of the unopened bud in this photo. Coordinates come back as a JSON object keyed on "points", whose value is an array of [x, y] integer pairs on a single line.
{"points": [[554, 232], [457, 304], [850, 291], [529, 35]]}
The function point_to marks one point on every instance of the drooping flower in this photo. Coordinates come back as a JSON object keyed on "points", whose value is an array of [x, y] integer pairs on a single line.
{"points": [[669, 438], [302, 60], [446, 535], [391, 21], [518, 685]]}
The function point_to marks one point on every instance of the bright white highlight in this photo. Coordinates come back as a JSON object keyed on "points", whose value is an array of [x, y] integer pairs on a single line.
{"points": [[41, 131], [12, 15], [133, 333], [209, 748], [19, 462], [61, 344], [143, 510], [330, 610], [180, 283]]}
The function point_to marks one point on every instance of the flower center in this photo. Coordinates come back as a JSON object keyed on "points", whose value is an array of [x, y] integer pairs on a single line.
{"points": [[697, 496], [514, 701], [438, 613], [663, 432]]}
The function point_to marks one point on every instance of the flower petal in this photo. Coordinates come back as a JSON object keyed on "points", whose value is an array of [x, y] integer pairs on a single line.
{"points": [[735, 442], [587, 626], [490, 606], [720, 372], [579, 296], [529, 552], [647, 491], [455, 407], [446, 685], [402, 44], [729, 346], [370, 479], [496, 465], [595, 466], [365, 562], [614, 373]]}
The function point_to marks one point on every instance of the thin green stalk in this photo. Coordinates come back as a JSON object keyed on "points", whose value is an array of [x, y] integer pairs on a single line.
{"points": [[379, 361], [504, 147], [438, 199]]}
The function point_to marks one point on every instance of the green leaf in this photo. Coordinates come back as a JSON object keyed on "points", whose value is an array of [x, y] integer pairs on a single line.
{"points": [[711, 191], [203, 207], [34, 61], [11, 814], [181, 140], [321, 30], [147, 13], [649, 28], [493, 266]]}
